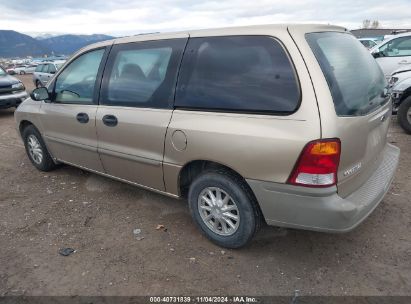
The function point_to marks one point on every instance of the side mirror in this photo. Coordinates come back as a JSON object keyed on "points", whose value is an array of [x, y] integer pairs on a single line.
{"points": [[377, 54], [40, 94]]}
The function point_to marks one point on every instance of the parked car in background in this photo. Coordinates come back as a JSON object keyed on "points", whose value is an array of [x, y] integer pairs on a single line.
{"points": [[400, 90], [369, 43], [10, 70], [44, 71], [399, 75], [12, 91], [251, 130], [25, 69], [19, 69], [393, 53]]}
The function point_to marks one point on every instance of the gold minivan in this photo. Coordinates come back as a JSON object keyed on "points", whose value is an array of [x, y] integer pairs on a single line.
{"points": [[278, 124]]}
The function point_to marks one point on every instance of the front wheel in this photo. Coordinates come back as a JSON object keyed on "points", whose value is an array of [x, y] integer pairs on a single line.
{"points": [[404, 115], [38, 84], [224, 208], [36, 149]]}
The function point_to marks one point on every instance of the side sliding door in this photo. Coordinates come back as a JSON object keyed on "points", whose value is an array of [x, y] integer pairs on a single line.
{"points": [[135, 109]]}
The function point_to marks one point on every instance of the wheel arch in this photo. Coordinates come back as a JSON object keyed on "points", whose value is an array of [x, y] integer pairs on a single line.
{"points": [[405, 94], [24, 124], [194, 168]]}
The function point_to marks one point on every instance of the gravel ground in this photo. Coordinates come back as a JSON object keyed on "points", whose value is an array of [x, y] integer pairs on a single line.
{"points": [[43, 212]]}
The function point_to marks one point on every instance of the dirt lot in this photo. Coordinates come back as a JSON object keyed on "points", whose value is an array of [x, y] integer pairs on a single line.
{"points": [[43, 212]]}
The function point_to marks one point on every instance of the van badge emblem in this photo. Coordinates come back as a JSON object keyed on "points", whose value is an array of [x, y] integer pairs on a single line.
{"points": [[353, 169]]}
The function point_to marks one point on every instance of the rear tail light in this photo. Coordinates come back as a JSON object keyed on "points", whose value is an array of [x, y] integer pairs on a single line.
{"points": [[317, 165]]}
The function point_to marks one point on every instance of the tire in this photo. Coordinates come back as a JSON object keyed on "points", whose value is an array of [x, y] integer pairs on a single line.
{"points": [[404, 115], [38, 84], [22, 73], [250, 217], [34, 144]]}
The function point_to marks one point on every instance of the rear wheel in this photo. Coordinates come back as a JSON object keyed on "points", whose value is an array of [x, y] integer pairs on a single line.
{"points": [[22, 72], [36, 149], [38, 84], [224, 208], [404, 115]]}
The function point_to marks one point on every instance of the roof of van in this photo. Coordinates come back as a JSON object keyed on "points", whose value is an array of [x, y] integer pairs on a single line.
{"points": [[244, 30]]}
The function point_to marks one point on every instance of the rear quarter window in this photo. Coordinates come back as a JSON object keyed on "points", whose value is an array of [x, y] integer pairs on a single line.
{"points": [[237, 74], [52, 68]]}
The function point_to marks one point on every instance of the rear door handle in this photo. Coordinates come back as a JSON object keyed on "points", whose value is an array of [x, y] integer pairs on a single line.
{"points": [[110, 120], [82, 118]]}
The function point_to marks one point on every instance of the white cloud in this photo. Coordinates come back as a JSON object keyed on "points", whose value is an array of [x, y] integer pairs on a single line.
{"points": [[125, 17]]}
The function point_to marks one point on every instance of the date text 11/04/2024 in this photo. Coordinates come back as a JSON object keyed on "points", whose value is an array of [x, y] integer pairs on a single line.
{"points": [[205, 299]]}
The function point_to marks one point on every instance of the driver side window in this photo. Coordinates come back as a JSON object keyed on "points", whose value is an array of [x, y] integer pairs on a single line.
{"points": [[76, 84]]}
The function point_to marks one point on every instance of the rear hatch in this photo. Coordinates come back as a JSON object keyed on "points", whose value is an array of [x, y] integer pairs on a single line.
{"points": [[362, 109]]}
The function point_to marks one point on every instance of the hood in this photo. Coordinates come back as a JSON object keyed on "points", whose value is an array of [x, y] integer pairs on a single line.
{"points": [[7, 80], [401, 70]]}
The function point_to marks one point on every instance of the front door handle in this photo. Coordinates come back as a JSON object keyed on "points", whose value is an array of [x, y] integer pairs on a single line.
{"points": [[110, 120], [82, 118]]}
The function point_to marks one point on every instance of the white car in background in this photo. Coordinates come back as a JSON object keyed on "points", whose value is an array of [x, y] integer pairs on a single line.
{"points": [[25, 69], [10, 70], [45, 71], [399, 75], [393, 53], [400, 90]]}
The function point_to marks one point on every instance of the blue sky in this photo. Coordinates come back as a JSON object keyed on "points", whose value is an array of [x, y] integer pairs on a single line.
{"points": [[127, 17]]}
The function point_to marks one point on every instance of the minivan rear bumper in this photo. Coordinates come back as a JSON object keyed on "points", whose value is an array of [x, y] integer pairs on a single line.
{"points": [[322, 209]]}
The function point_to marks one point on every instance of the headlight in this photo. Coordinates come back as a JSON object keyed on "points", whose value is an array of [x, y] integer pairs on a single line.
{"points": [[393, 80], [396, 94], [18, 86]]}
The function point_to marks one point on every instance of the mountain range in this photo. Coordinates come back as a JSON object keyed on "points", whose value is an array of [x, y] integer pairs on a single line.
{"points": [[15, 44]]}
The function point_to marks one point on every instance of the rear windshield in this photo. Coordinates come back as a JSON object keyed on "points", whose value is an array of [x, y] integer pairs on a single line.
{"points": [[354, 77]]}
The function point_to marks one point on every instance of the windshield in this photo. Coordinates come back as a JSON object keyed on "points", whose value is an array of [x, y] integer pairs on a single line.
{"points": [[354, 77], [2, 72]]}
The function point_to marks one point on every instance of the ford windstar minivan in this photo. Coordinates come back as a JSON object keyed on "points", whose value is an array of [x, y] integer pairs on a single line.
{"points": [[278, 124]]}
